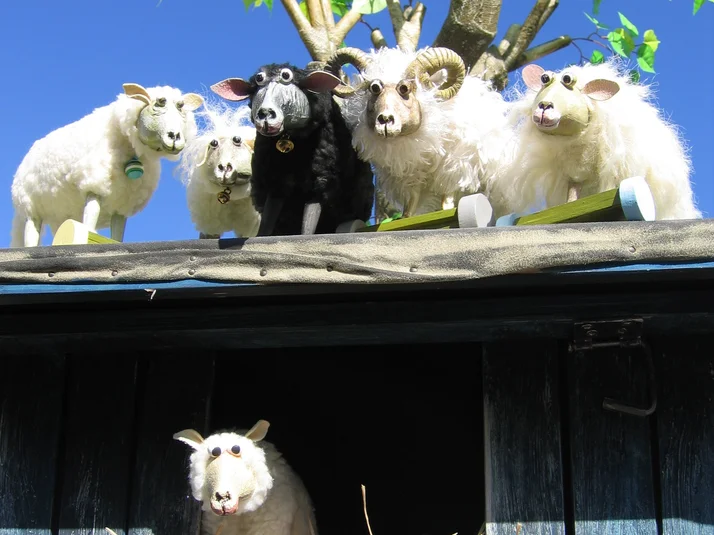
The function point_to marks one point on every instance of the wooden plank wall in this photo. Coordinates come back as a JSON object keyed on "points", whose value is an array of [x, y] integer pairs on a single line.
{"points": [[86, 442], [621, 474]]}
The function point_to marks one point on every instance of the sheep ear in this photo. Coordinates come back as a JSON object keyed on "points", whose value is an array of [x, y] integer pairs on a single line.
{"points": [[203, 160], [233, 89], [320, 81], [601, 89], [190, 437], [258, 431], [192, 101], [531, 76], [137, 91]]}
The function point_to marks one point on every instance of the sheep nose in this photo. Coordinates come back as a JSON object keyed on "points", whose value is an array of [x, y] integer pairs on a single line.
{"points": [[269, 113], [543, 105], [227, 168], [223, 496], [385, 118], [173, 135]]}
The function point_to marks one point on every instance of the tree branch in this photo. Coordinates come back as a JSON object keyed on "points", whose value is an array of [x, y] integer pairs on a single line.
{"points": [[507, 42], [407, 23], [329, 17], [542, 50], [344, 25], [470, 27], [540, 13], [317, 44], [317, 17]]}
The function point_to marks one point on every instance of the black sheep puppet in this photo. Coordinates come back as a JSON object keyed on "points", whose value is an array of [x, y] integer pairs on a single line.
{"points": [[306, 176]]}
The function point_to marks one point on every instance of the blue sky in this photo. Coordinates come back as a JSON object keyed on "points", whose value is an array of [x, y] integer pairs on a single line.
{"points": [[60, 60]]}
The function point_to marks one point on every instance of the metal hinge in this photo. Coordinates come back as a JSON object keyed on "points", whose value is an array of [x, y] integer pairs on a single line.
{"points": [[609, 333], [624, 333]]}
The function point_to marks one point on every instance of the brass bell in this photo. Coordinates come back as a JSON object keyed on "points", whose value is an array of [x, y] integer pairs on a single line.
{"points": [[224, 196], [284, 145]]}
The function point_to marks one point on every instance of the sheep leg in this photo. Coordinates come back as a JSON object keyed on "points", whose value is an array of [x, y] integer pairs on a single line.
{"points": [[412, 205], [202, 236], [573, 192], [310, 217], [271, 211], [118, 225], [91, 212], [32, 232]]}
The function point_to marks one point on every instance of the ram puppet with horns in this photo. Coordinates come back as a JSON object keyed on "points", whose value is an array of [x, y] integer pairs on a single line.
{"points": [[431, 132]]}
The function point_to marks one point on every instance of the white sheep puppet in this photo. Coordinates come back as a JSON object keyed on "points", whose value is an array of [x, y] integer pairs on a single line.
{"points": [[104, 167], [586, 128], [246, 485], [216, 168], [428, 145]]}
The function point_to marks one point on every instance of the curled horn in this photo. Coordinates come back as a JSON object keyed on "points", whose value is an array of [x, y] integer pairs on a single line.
{"points": [[432, 60], [341, 57]]}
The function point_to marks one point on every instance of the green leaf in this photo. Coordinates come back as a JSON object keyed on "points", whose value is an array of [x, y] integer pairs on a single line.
{"points": [[248, 3], [650, 39], [634, 76], [645, 58], [697, 5], [621, 42], [596, 7], [258, 2], [303, 8], [369, 7], [596, 57], [339, 7], [627, 24], [269, 4], [596, 22]]}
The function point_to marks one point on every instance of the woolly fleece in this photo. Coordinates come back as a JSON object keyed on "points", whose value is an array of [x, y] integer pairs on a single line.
{"points": [[208, 215], [88, 156], [627, 136]]}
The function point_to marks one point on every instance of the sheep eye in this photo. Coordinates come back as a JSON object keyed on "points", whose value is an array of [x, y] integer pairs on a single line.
{"points": [[216, 451], [161, 102], [214, 143], [235, 449], [260, 78], [286, 75], [403, 89], [545, 78], [236, 140], [179, 104], [568, 80], [376, 87]]}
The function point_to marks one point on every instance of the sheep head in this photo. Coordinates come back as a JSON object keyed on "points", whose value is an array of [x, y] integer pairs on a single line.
{"points": [[393, 109], [561, 107], [229, 158], [277, 95], [228, 470], [162, 121]]}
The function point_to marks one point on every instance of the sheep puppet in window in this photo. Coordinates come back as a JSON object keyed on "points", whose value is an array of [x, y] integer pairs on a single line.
{"points": [[306, 177], [246, 485], [586, 128], [104, 167]]}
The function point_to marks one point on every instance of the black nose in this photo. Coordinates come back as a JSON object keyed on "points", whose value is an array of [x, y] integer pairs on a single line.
{"points": [[384, 118], [228, 167], [173, 135], [267, 113], [545, 105], [222, 496]]}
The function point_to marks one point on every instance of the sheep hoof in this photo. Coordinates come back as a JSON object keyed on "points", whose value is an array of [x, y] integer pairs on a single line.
{"points": [[350, 226], [271, 211], [475, 211], [636, 199]]}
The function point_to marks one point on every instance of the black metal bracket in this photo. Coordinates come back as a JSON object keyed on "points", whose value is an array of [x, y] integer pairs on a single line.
{"points": [[625, 333]]}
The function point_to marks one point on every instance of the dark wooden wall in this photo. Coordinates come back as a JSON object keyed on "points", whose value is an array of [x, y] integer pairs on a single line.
{"points": [[442, 435]]}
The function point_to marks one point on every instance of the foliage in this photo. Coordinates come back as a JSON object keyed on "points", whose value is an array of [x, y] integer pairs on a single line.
{"points": [[625, 40]]}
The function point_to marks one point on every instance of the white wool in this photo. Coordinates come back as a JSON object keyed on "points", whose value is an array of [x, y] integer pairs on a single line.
{"points": [[88, 156], [218, 121], [457, 149], [627, 136], [280, 504]]}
